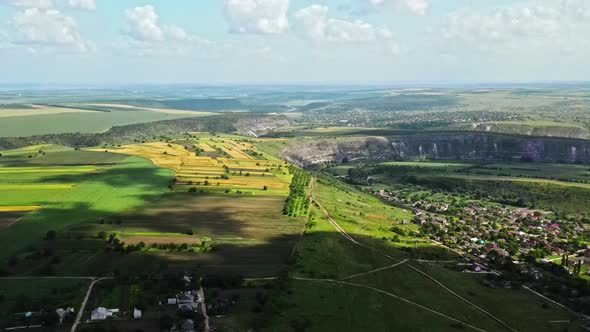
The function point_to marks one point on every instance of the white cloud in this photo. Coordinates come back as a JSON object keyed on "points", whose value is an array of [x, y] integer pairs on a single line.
{"points": [[417, 7], [3, 40], [45, 4], [144, 26], [48, 27], [315, 24], [257, 16], [546, 26], [143, 23], [83, 4], [147, 37]]}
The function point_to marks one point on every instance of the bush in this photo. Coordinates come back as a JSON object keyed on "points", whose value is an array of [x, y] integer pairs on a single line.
{"points": [[50, 235]]}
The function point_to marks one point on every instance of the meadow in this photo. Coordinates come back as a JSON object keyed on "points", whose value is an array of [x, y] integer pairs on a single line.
{"points": [[72, 187], [379, 300], [56, 120], [249, 236]]}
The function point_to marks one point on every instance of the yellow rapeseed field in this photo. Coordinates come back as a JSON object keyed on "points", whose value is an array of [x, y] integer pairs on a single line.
{"points": [[240, 172], [19, 208]]}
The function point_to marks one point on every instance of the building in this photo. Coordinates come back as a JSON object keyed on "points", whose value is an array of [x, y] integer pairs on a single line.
{"points": [[99, 313], [136, 313], [63, 313]]}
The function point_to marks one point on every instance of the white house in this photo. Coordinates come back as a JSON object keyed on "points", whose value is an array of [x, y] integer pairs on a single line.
{"points": [[136, 313], [100, 313]]}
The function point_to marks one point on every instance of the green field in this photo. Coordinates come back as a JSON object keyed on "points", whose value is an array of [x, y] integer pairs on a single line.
{"points": [[99, 184], [87, 122], [249, 236], [324, 305], [521, 184]]}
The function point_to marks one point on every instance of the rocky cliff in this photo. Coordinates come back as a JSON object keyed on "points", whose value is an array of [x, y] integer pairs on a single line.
{"points": [[472, 146]]}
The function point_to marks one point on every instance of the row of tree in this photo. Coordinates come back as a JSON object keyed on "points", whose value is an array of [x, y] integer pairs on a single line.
{"points": [[297, 204]]}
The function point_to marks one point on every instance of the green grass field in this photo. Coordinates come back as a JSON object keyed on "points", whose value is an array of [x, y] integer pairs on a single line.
{"points": [[87, 122], [250, 236], [70, 195], [320, 306]]}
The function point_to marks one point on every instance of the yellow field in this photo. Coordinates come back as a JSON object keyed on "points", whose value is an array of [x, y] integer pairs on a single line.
{"points": [[159, 110], [240, 172], [19, 208], [206, 147], [35, 186], [38, 110]]}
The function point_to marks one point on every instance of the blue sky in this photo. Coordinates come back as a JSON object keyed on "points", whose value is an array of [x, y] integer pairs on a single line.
{"points": [[293, 41]]}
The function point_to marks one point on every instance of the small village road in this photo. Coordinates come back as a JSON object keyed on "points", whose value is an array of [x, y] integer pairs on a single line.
{"points": [[83, 305]]}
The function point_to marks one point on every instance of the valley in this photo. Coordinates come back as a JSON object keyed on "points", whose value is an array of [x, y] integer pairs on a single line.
{"points": [[295, 220]]}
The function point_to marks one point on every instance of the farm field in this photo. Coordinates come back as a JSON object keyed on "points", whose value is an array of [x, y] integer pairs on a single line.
{"points": [[418, 209], [216, 165], [72, 187], [318, 305], [83, 121], [31, 110], [241, 217], [248, 236]]}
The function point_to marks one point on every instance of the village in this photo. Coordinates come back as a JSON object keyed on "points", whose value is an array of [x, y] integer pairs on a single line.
{"points": [[184, 310], [486, 233]]}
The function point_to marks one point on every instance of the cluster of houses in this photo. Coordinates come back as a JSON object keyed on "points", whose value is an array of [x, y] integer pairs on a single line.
{"points": [[481, 230], [187, 302], [102, 313]]}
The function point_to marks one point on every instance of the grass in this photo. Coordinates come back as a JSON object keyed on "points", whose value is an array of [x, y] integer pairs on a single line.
{"points": [[320, 306], [77, 197], [250, 236], [21, 295], [366, 215], [537, 183], [33, 110], [82, 122]]}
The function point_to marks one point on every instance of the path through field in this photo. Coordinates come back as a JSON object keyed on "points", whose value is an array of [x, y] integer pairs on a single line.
{"points": [[391, 295], [351, 239]]}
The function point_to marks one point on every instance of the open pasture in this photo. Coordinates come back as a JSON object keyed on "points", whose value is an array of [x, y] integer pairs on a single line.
{"points": [[322, 295], [73, 120], [234, 171], [74, 187], [31, 110], [249, 236]]}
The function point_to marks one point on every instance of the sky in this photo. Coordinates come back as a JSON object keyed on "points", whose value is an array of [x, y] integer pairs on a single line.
{"points": [[293, 41]]}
